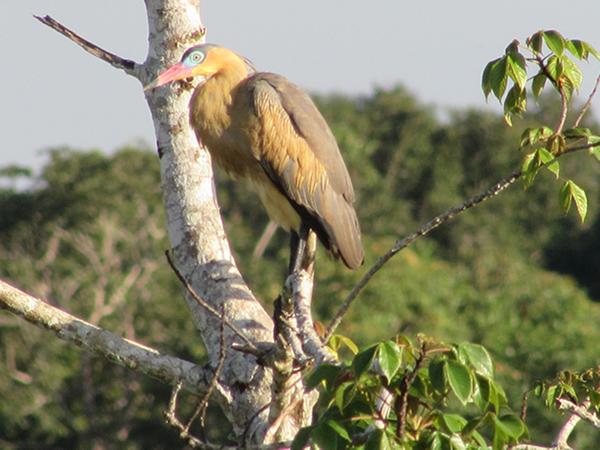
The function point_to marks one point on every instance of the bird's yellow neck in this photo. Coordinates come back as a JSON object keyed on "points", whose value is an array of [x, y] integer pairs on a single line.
{"points": [[209, 106]]}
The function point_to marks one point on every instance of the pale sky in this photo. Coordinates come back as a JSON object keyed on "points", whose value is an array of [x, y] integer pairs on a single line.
{"points": [[54, 94]]}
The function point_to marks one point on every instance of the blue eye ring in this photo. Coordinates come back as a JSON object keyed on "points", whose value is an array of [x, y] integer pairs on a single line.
{"points": [[194, 58]]}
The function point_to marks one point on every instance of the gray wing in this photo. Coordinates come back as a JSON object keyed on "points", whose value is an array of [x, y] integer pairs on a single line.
{"points": [[297, 149]]}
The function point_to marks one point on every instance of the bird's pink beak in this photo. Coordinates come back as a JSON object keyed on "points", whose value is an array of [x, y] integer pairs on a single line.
{"points": [[173, 73]]}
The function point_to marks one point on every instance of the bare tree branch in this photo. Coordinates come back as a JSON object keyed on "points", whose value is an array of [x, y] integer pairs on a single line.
{"points": [[581, 411], [561, 440], [130, 67], [102, 342], [425, 229], [587, 104]]}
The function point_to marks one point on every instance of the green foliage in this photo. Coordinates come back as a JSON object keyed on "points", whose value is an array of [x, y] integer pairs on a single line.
{"points": [[576, 387], [554, 66], [423, 386], [544, 144]]}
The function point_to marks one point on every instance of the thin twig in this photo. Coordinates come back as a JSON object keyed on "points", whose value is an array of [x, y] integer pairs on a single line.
{"points": [[406, 241], [402, 399], [563, 96], [587, 104], [563, 111], [269, 404], [426, 228], [194, 442], [264, 240], [206, 305], [203, 404], [523, 414], [276, 424], [127, 65]]}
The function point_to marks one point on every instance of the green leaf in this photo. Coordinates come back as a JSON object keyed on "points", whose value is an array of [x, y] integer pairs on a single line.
{"points": [[436, 375], [453, 422], [497, 396], [580, 199], [456, 443], [301, 438], [591, 50], [323, 436], [554, 67], [341, 398], [480, 440], [517, 69], [572, 72], [435, 441], [337, 340], [515, 103], [478, 357], [389, 358], [554, 41], [500, 439], [570, 192], [537, 85], [565, 197], [498, 76], [551, 396], [576, 48], [532, 136], [595, 151], [510, 425], [378, 440], [549, 161], [459, 379], [536, 41], [529, 169], [325, 372], [363, 360], [556, 144], [482, 393], [577, 133], [339, 429], [485, 79]]}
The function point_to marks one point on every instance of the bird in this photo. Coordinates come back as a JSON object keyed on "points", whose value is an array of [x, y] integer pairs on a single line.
{"points": [[262, 128]]}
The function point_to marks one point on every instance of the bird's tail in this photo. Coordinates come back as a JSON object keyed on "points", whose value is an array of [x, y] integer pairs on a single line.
{"points": [[345, 233]]}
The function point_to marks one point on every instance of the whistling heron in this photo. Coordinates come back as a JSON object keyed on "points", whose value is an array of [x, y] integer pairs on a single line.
{"points": [[262, 128]]}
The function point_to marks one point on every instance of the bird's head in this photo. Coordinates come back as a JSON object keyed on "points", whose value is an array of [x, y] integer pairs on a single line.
{"points": [[201, 61]]}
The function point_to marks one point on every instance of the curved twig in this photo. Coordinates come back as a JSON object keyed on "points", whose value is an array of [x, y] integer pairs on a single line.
{"points": [[587, 104], [129, 66], [426, 228]]}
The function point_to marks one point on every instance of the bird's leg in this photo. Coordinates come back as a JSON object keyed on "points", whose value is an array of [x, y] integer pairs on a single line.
{"points": [[297, 248]]}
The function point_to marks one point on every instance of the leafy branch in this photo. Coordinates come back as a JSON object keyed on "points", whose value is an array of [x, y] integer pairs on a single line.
{"points": [[544, 145]]}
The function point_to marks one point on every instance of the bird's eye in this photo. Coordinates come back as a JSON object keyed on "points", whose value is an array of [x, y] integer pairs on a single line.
{"points": [[196, 58]]}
